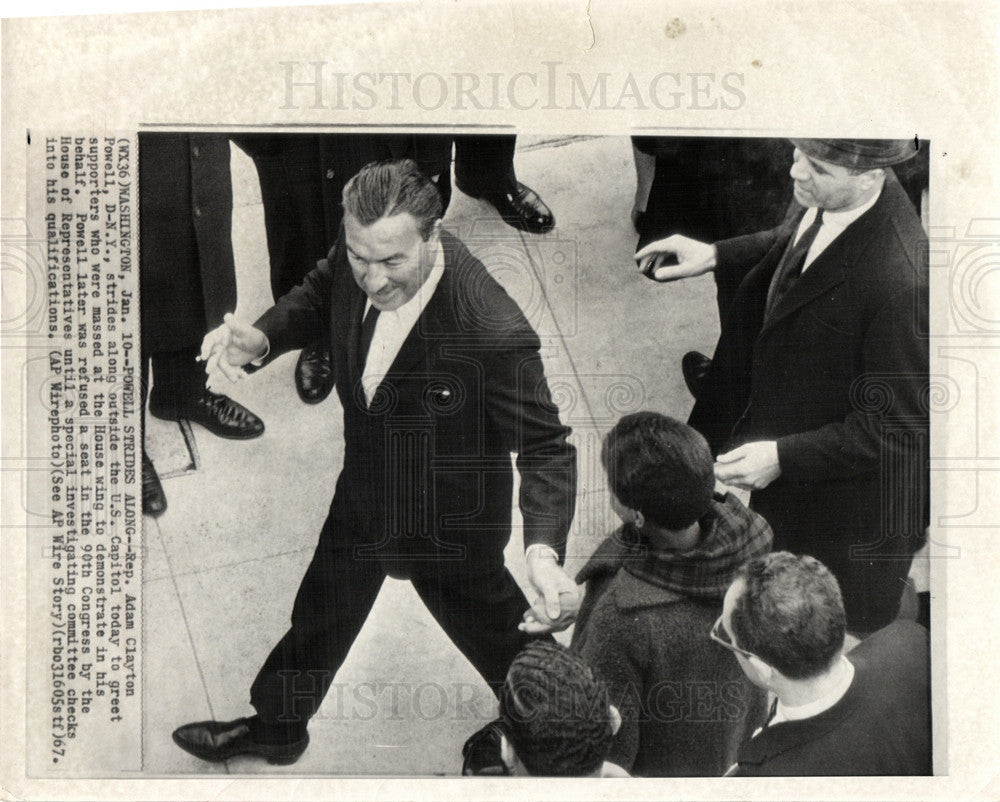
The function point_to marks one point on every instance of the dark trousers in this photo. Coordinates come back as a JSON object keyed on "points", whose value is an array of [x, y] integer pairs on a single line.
{"points": [[478, 611], [177, 378], [485, 164]]}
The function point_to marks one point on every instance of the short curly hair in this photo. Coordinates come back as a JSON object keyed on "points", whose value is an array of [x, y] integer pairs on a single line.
{"points": [[790, 614], [556, 715]]}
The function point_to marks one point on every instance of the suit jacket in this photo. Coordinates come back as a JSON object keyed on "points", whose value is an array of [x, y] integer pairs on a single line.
{"points": [[187, 276], [838, 376], [427, 470], [882, 725]]}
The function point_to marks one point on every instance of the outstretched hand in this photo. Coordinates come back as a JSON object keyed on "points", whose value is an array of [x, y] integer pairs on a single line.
{"points": [[675, 257], [229, 347]]}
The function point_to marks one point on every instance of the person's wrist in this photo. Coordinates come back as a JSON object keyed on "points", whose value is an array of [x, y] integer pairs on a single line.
{"points": [[713, 258], [259, 360], [541, 551]]}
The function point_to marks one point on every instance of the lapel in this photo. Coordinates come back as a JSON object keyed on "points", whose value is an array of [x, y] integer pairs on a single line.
{"points": [[830, 268], [758, 279], [355, 314], [775, 739]]}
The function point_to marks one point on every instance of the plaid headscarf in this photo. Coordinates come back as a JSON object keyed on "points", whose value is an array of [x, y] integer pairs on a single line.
{"points": [[731, 534]]}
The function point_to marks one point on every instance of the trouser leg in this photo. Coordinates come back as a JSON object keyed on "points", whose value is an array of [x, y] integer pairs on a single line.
{"points": [[333, 601], [291, 180], [480, 614], [484, 165], [177, 377]]}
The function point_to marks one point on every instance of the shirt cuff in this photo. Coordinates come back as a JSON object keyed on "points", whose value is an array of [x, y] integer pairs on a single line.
{"points": [[260, 360], [540, 547]]}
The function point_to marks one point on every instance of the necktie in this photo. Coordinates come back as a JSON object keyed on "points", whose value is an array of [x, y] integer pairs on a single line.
{"points": [[367, 332], [790, 266], [772, 712]]}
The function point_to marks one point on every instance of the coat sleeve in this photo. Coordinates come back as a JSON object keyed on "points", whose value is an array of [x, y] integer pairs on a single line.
{"points": [[302, 315], [520, 407], [889, 395]]}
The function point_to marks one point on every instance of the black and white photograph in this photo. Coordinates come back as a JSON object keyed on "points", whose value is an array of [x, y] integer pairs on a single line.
{"points": [[499, 422], [648, 416]]}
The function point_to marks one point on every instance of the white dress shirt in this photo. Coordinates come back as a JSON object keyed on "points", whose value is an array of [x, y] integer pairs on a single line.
{"points": [[833, 225], [825, 702], [392, 329]]}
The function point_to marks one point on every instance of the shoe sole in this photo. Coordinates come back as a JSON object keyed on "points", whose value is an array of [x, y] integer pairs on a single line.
{"points": [[225, 434], [285, 757]]}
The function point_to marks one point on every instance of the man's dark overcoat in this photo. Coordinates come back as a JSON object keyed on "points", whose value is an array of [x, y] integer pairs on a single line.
{"points": [[838, 376]]}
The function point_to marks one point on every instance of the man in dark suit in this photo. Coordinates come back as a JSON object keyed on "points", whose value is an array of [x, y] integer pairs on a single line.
{"points": [[187, 281], [816, 397], [863, 713], [440, 380]]}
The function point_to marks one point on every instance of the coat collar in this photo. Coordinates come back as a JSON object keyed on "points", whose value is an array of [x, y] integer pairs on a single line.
{"points": [[831, 267], [773, 741]]}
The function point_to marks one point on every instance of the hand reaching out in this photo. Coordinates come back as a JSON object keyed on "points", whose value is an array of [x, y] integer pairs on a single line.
{"points": [[231, 346], [693, 258]]}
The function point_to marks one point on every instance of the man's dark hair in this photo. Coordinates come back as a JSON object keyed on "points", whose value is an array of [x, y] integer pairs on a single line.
{"points": [[661, 467], [386, 188], [790, 614], [555, 713]]}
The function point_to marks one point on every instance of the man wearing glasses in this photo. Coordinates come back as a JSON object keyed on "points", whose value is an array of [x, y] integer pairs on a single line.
{"points": [[867, 713]]}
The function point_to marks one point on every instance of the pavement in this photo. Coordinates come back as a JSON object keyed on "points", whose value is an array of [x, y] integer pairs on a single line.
{"points": [[222, 564]]}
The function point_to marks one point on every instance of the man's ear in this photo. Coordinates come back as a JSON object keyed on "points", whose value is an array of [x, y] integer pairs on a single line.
{"points": [[616, 719], [507, 754], [870, 178], [762, 672]]}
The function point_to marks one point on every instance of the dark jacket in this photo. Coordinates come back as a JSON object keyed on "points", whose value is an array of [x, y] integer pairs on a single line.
{"points": [[882, 725], [427, 464], [838, 376], [187, 274], [686, 706]]}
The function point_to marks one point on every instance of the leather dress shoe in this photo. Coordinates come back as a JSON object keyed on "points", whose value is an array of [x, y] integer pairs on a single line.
{"points": [[695, 366], [523, 209], [220, 740], [481, 752], [218, 413], [314, 373], [154, 501]]}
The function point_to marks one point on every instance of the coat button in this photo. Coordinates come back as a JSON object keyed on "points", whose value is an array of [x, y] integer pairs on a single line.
{"points": [[330, 174], [196, 151], [197, 211]]}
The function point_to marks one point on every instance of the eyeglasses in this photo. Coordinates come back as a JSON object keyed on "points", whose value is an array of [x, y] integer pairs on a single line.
{"points": [[720, 636]]}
